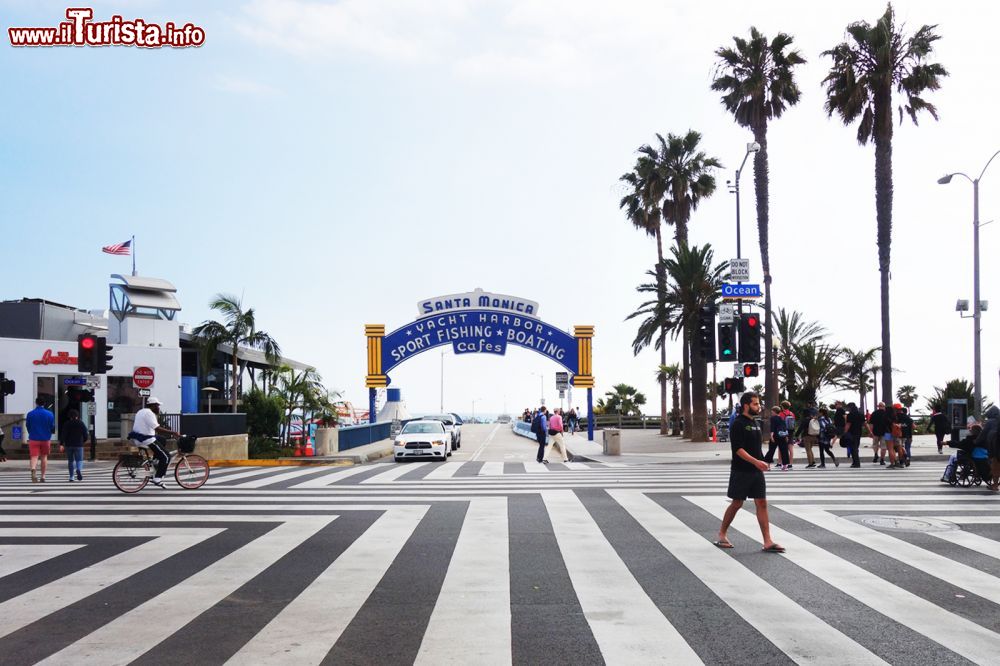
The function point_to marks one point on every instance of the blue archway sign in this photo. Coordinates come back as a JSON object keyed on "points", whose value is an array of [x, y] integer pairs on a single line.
{"points": [[479, 322], [479, 332]]}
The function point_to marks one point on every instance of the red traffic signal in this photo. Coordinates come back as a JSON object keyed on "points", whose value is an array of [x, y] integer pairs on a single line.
{"points": [[88, 342], [751, 370], [86, 352], [753, 321]]}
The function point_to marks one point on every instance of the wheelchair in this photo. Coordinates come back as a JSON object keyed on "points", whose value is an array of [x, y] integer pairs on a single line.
{"points": [[964, 473]]}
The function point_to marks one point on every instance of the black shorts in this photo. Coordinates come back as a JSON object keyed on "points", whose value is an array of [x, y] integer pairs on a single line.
{"points": [[746, 483]]}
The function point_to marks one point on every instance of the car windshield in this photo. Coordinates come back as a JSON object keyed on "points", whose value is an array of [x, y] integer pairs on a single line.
{"points": [[423, 427], [447, 420]]}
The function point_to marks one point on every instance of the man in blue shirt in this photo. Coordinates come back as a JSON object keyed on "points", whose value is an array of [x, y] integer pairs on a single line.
{"points": [[40, 423]]}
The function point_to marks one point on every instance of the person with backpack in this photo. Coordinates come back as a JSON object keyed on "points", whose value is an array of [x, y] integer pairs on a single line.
{"points": [[827, 433], [779, 439], [540, 428], [789, 417], [906, 430], [878, 428], [809, 431], [986, 447], [72, 437], [854, 423]]}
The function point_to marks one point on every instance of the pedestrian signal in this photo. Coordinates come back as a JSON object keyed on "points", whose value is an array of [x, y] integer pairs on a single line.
{"points": [[86, 348], [706, 333], [727, 342], [749, 338], [751, 369], [733, 385]]}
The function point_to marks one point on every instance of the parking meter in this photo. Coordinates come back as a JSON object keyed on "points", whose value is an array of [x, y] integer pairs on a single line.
{"points": [[958, 414]]}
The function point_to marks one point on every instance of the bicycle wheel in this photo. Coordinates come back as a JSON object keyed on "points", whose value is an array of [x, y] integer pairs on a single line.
{"points": [[191, 471], [129, 477]]}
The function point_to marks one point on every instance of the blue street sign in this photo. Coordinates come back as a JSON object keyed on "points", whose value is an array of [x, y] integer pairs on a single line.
{"points": [[741, 291], [16, 433], [75, 381]]}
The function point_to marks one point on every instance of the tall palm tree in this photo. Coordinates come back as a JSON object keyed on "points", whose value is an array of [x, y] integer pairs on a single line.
{"points": [[875, 61], [238, 328], [855, 367], [757, 82], [625, 400], [686, 176], [642, 208], [672, 373], [693, 282], [907, 395], [793, 331]]}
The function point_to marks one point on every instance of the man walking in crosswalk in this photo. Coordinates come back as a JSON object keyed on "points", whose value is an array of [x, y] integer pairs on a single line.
{"points": [[746, 475]]}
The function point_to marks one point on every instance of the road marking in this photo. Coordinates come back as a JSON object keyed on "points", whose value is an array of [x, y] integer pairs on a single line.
{"points": [[489, 438], [989, 547], [255, 471], [332, 477], [308, 627], [32, 606], [15, 557], [813, 641], [278, 478], [162, 616], [475, 594], [394, 471], [952, 631], [491, 469], [445, 471], [610, 596]]}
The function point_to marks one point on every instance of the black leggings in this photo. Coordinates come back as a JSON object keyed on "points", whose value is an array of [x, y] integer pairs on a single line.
{"points": [[781, 443], [825, 446]]}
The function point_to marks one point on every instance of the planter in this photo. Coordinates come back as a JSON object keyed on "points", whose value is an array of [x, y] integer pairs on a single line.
{"points": [[327, 441]]}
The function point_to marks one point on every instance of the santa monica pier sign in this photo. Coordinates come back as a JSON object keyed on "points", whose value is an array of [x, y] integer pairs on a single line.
{"points": [[477, 322]]}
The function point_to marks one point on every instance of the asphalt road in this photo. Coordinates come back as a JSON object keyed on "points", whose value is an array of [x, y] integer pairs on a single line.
{"points": [[491, 558]]}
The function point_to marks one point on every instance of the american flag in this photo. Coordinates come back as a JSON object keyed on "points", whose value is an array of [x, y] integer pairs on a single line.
{"points": [[119, 248]]}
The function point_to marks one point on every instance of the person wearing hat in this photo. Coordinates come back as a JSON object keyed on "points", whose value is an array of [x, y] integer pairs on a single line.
{"points": [[145, 433]]}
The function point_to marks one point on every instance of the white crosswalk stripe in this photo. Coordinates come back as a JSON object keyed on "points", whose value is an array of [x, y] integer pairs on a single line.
{"points": [[476, 612]]}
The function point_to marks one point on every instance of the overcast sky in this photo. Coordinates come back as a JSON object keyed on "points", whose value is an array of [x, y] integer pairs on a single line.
{"points": [[336, 162]]}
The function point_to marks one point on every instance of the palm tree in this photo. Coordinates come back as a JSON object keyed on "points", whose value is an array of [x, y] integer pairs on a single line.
{"points": [[793, 331], [693, 283], [877, 59], [298, 390], [907, 395], [625, 400], [672, 373], [686, 175], [954, 389], [817, 365], [855, 366], [238, 329], [758, 84]]}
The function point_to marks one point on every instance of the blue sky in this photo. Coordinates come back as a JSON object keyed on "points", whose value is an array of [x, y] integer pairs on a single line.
{"points": [[335, 163]]}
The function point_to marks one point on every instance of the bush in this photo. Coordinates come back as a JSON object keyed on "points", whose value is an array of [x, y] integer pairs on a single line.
{"points": [[264, 414], [262, 447]]}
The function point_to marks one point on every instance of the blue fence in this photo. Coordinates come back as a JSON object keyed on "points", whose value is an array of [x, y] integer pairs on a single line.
{"points": [[350, 437]]}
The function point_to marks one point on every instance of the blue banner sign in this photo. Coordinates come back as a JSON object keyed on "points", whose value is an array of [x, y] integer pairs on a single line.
{"points": [[479, 332], [741, 291], [74, 381]]}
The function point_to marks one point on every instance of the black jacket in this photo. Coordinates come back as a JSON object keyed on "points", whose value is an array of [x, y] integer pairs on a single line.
{"points": [[73, 433], [992, 417]]}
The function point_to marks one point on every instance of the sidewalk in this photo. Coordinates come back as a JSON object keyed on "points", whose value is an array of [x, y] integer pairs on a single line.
{"points": [[645, 447]]}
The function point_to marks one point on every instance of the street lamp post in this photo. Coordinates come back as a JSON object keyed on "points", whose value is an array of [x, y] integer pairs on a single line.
{"points": [[976, 303], [541, 386], [441, 406], [752, 147]]}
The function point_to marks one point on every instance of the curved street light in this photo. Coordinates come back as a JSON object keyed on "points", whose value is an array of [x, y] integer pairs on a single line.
{"points": [[976, 303]]}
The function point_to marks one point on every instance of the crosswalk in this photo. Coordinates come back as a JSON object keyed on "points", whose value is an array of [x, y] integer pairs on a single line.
{"points": [[499, 563]]}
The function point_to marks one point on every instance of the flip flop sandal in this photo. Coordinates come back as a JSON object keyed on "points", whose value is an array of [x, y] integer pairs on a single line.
{"points": [[725, 545], [773, 548]]}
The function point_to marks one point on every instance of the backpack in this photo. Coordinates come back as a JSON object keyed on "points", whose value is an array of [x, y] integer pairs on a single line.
{"points": [[829, 430], [536, 424], [814, 426], [790, 422]]}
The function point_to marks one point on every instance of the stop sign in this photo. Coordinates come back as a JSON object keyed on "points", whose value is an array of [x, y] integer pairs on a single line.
{"points": [[143, 377]]}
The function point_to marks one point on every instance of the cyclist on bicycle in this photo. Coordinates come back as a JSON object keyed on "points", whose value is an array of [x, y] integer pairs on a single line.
{"points": [[146, 434]]}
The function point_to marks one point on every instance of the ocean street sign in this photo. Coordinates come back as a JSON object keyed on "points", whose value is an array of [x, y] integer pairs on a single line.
{"points": [[738, 291]]}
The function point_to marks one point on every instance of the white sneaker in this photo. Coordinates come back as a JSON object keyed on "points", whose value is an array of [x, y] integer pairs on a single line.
{"points": [[157, 482]]}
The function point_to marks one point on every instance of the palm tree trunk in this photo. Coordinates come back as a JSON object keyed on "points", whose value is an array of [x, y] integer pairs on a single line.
{"points": [[761, 182], [883, 214], [661, 294], [686, 385], [236, 381], [675, 414]]}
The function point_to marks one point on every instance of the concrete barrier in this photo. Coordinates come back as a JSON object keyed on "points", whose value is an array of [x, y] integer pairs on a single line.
{"points": [[224, 447], [327, 441]]}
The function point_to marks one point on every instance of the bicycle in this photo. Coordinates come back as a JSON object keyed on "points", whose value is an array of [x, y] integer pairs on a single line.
{"points": [[134, 470]]}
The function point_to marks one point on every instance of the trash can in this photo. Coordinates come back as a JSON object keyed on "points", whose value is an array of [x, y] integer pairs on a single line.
{"points": [[612, 442]]}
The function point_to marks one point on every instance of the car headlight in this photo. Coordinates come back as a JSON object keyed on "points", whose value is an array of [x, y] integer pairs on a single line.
{"points": [[398, 442], [439, 441]]}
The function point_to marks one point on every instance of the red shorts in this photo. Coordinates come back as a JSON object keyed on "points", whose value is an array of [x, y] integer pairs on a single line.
{"points": [[38, 448]]}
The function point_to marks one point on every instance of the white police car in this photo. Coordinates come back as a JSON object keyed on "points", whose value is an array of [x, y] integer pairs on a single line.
{"points": [[421, 440]]}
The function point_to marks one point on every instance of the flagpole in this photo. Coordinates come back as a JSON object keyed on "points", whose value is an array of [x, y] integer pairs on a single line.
{"points": [[133, 256]]}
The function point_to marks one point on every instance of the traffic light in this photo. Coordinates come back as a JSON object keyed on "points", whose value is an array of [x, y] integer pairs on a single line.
{"points": [[734, 385], [749, 338], [706, 333], [727, 342], [7, 387], [751, 369], [86, 353], [102, 358]]}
